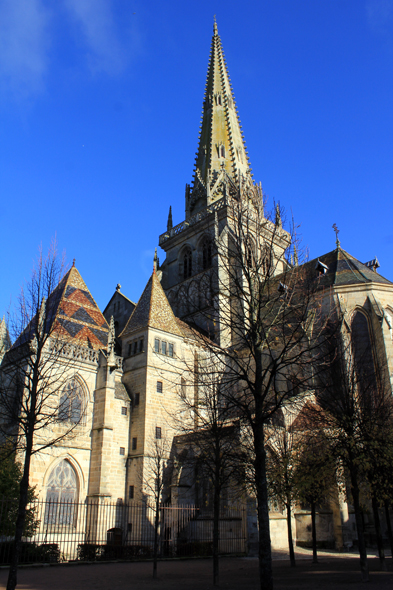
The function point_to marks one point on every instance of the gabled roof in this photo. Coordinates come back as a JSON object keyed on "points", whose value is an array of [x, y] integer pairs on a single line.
{"points": [[344, 269], [71, 311], [118, 293], [152, 311], [78, 314]]}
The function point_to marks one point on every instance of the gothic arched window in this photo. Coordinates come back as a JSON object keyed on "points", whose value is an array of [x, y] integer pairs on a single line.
{"points": [[362, 356], [61, 494], [187, 263], [266, 262], [250, 254], [70, 406], [206, 253]]}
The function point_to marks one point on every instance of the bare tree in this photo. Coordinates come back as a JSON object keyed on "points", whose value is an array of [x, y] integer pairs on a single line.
{"points": [[380, 476], [154, 477], [355, 408], [378, 447], [31, 379], [211, 439], [265, 318], [281, 468], [315, 473], [10, 476]]}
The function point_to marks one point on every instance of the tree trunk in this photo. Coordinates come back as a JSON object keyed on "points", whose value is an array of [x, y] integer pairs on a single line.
{"points": [[264, 551], [20, 520], [216, 532], [377, 525], [314, 534], [290, 540], [359, 526], [389, 525], [155, 549]]}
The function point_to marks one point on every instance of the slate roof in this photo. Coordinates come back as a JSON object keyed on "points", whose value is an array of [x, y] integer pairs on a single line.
{"points": [[72, 311], [153, 310], [119, 293], [344, 269], [121, 392]]}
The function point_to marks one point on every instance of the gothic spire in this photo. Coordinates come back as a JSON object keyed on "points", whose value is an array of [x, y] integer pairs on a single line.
{"points": [[221, 143]]}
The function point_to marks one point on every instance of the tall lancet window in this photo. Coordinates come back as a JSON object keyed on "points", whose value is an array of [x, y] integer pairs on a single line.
{"points": [[70, 406], [206, 253], [363, 357], [187, 263], [61, 495], [249, 254]]}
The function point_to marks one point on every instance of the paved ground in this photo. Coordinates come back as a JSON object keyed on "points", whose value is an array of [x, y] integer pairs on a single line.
{"points": [[333, 572]]}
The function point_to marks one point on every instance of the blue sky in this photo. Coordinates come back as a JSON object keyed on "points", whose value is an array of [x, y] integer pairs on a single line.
{"points": [[100, 103]]}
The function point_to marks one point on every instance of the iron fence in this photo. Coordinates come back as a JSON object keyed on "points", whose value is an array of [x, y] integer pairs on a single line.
{"points": [[99, 531]]}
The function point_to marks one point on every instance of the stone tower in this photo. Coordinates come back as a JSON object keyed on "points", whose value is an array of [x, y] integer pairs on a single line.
{"points": [[193, 271]]}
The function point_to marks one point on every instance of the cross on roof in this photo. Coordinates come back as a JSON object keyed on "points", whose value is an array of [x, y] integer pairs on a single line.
{"points": [[336, 231]]}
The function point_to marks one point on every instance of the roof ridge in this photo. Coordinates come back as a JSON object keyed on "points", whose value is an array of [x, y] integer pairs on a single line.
{"points": [[153, 276], [125, 330]]}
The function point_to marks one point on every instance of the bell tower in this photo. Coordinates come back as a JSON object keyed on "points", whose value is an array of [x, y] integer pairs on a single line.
{"points": [[191, 272]]}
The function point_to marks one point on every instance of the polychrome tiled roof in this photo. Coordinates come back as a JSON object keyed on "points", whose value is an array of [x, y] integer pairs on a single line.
{"points": [[71, 311], [78, 315]]}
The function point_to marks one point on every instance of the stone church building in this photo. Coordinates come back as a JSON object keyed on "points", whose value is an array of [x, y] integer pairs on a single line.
{"points": [[130, 357]]}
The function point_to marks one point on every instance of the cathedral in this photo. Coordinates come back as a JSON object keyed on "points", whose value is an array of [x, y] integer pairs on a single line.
{"points": [[123, 387]]}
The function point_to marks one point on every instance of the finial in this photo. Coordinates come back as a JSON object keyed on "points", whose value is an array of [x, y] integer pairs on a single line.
{"points": [[155, 261], [278, 216], [111, 359], [295, 256], [169, 224], [73, 262], [118, 287], [336, 231], [187, 197], [260, 190], [216, 228], [215, 31], [42, 317]]}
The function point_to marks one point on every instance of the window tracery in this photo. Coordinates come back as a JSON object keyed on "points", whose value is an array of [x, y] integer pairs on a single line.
{"points": [[250, 254], [187, 263], [61, 495], [363, 362], [70, 406], [266, 262]]}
